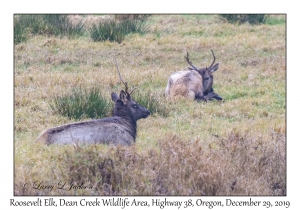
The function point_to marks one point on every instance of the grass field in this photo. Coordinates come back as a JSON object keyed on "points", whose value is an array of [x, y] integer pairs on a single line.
{"points": [[234, 147]]}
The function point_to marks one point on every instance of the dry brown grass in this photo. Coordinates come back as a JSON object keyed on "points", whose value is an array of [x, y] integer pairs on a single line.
{"points": [[228, 166], [200, 148]]}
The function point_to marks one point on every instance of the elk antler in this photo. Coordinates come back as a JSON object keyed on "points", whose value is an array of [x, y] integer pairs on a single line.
{"points": [[132, 90], [125, 83], [188, 60], [213, 60]]}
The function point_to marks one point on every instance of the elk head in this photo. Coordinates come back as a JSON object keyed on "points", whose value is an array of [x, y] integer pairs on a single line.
{"points": [[136, 110], [206, 73]]}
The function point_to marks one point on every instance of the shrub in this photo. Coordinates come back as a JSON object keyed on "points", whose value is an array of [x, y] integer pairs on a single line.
{"points": [[114, 30], [243, 18], [82, 103]]}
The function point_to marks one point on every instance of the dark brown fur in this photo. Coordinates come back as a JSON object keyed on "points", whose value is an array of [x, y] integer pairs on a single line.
{"points": [[119, 129]]}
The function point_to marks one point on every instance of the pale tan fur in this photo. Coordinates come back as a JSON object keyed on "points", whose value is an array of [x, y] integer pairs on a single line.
{"points": [[185, 83]]}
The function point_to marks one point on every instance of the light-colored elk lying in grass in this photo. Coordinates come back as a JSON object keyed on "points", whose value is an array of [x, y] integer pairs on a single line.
{"points": [[194, 84], [119, 129]]}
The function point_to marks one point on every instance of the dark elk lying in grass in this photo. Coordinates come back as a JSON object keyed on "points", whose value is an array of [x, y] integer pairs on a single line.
{"points": [[119, 129], [193, 84]]}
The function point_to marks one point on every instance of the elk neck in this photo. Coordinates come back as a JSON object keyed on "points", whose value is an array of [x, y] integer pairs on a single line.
{"points": [[126, 116]]}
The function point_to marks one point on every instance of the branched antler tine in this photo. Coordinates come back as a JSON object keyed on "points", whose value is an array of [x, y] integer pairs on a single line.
{"points": [[188, 60], [132, 90], [125, 83], [213, 60]]}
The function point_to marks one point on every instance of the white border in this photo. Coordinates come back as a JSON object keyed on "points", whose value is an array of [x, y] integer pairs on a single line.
{"points": [[8, 8]]}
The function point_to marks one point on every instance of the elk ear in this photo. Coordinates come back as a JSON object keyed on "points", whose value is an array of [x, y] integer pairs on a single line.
{"points": [[123, 96], [214, 68], [128, 97], [114, 96]]}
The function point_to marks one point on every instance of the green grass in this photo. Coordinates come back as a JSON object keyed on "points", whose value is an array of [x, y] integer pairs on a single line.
{"points": [[57, 25], [155, 104], [113, 30], [60, 25], [243, 18], [276, 20], [183, 147], [20, 32], [82, 103]]}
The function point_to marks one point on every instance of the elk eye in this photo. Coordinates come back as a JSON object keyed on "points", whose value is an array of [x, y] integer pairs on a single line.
{"points": [[135, 106], [206, 78]]}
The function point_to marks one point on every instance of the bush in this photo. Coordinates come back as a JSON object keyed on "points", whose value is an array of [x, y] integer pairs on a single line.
{"points": [[114, 30], [57, 25], [82, 103], [243, 18]]}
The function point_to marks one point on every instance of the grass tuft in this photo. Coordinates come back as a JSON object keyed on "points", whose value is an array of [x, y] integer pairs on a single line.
{"points": [[57, 25], [243, 18], [155, 104], [82, 103], [60, 25], [115, 31]]}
